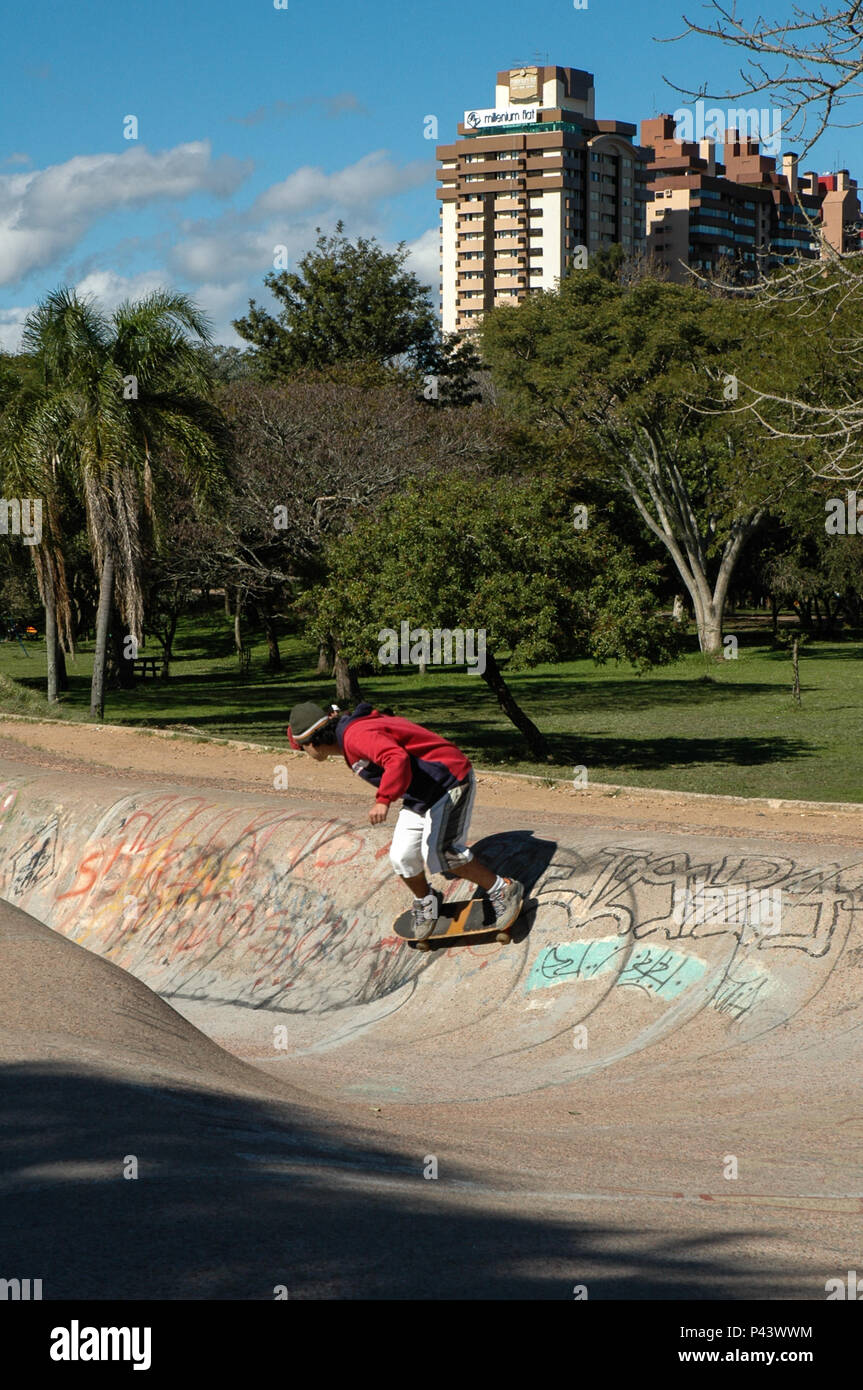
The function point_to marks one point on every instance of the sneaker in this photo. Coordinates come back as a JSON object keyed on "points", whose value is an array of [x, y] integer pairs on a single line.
{"points": [[425, 914], [506, 902]]}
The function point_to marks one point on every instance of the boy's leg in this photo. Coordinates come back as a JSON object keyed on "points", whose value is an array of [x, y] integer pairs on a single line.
{"points": [[476, 872], [446, 850], [418, 884], [406, 852], [445, 842], [406, 857]]}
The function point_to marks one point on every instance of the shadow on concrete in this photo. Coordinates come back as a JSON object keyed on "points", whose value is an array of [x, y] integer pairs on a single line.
{"points": [[236, 1195]]}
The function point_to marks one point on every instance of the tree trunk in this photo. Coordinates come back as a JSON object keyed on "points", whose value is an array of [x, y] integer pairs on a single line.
{"points": [[51, 639], [347, 685], [274, 660], [710, 635], [708, 620], [227, 602], [326, 659], [62, 674], [168, 650], [100, 656], [774, 613], [124, 665], [493, 678], [238, 623], [795, 666]]}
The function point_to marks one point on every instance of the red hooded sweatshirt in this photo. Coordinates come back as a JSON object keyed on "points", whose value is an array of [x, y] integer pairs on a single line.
{"points": [[401, 759]]}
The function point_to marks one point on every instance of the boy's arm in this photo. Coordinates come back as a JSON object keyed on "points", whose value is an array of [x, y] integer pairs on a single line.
{"points": [[381, 749]]}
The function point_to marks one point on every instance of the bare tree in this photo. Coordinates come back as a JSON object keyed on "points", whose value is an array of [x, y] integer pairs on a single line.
{"points": [[311, 453], [811, 64]]}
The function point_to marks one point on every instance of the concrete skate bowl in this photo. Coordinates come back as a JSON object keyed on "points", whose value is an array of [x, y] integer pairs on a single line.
{"points": [[267, 924]]}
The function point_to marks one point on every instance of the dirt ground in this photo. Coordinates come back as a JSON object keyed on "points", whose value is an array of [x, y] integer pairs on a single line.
{"points": [[188, 759]]}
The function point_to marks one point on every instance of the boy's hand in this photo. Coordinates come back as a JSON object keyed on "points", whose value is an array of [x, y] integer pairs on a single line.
{"points": [[378, 813]]}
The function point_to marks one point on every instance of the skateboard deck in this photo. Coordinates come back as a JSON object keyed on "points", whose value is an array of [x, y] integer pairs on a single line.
{"points": [[474, 917]]}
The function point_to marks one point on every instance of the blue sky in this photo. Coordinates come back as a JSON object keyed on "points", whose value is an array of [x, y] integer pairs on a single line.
{"points": [[256, 125]]}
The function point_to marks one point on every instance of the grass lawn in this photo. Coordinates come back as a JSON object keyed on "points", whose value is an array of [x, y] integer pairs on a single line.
{"points": [[723, 727]]}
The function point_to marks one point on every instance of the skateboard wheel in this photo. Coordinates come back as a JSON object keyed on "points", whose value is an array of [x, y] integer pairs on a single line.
{"points": [[421, 945], [503, 937]]}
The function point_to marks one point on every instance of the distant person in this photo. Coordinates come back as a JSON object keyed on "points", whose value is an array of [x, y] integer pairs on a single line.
{"points": [[436, 784]]}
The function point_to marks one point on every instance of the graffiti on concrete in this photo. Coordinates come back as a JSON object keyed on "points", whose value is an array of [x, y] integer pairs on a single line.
{"points": [[659, 971], [639, 895], [243, 902], [203, 899], [35, 860], [816, 900]]}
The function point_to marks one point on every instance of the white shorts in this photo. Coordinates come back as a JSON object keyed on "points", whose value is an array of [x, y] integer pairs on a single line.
{"points": [[435, 841]]}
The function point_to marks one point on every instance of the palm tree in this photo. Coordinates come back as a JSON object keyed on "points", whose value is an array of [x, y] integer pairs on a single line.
{"points": [[31, 446], [126, 390]]}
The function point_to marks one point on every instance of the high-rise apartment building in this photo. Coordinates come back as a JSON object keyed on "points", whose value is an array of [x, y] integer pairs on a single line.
{"points": [[744, 211], [840, 211], [528, 183]]}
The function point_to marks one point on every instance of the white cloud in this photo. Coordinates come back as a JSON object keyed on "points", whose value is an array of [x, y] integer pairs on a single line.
{"points": [[222, 304], [221, 260], [44, 213], [424, 258], [372, 178], [288, 214], [110, 289], [223, 250], [11, 323]]}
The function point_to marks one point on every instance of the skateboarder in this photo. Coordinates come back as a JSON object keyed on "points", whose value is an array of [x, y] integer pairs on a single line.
{"points": [[436, 784]]}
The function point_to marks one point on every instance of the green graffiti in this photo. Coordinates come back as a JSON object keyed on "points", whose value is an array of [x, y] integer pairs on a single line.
{"points": [[661, 971]]}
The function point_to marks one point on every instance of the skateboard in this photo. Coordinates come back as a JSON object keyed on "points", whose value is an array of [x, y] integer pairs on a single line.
{"points": [[472, 918]]}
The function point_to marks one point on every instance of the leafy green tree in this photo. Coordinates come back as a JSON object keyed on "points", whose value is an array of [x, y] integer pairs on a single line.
{"points": [[464, 553], [120, 391], [639, 373], [348, 301]]}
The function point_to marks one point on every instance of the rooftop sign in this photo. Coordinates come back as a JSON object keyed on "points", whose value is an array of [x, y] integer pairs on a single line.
{"points": [[503, 115]]}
